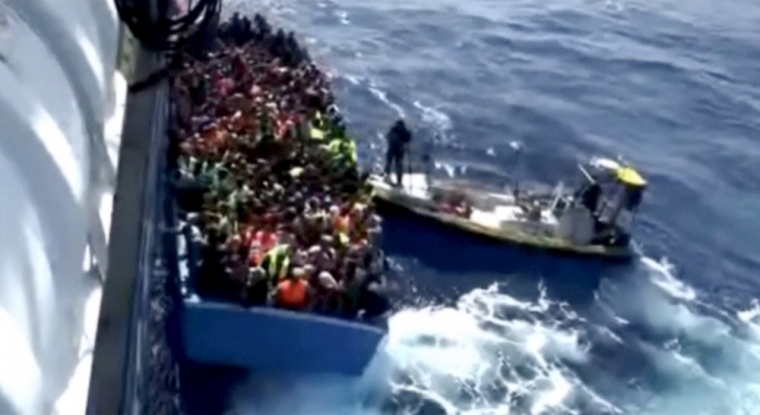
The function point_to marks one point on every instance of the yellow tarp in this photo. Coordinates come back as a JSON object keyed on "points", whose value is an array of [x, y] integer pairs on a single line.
{"points": [[631, 177]]}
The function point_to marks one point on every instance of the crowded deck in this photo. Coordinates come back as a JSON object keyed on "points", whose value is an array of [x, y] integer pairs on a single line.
{"points": [[267, 182]]}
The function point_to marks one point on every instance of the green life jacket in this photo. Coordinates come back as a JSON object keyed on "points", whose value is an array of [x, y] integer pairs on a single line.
{"points": [[334, 147], [346, 154], [349, 149]]}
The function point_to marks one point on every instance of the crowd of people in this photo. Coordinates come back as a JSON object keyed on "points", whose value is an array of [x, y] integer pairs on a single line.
{"points": [[268, 181]]}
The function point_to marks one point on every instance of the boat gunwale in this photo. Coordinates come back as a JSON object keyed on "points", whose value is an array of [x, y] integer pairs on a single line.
{"points": [[200, 302]]}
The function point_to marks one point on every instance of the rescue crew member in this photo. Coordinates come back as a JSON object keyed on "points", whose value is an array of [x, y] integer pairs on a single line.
{"points": [[276, 262], [398, 138], [293, 291]]}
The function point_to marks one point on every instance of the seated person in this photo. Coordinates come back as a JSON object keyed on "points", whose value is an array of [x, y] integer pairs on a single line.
{"points": [[293, 292], [256, 289]]}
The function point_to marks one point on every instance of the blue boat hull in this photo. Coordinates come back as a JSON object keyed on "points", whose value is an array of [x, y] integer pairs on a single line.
{"points": [[276, 341]]}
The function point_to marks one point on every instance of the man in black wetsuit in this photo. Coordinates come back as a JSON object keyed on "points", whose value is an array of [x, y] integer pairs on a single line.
{"points": [[398, 138]]}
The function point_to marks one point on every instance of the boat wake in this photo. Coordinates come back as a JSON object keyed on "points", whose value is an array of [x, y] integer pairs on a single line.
{"points": [[646, 347], [492, 353]]}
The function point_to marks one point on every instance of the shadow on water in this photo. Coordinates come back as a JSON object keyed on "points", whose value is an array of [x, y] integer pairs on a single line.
{"points": [[452, 262]]}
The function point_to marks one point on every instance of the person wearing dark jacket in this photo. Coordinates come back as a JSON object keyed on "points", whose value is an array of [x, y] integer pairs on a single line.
{"points": [[398, 138]]}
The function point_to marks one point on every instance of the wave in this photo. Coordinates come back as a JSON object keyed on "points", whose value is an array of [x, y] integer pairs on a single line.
{"points": [[493, 353]]}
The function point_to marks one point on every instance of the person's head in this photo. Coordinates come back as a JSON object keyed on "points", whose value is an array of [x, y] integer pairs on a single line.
{"points": [[324, 261], [235, 242], [297, 273], [310, 270], [327, 241], [256, 273], [314, 251], [290, 214], [400, 124], [327, 281], [334, 211]]}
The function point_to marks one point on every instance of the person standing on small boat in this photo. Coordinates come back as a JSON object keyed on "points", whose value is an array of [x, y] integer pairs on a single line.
{"points": [[398, 138]]}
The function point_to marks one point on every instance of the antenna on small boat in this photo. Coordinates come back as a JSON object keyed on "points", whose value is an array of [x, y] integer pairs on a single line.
{"points": [[517, 146]]}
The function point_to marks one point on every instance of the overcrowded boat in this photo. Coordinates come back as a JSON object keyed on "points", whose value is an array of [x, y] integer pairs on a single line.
{"points": [[282, 269]]}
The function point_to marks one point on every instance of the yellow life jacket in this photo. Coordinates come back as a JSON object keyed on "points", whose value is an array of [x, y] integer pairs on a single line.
{"points": [[334, 147], [350, 150], [345, 151], [316, 134], [277, 261]]}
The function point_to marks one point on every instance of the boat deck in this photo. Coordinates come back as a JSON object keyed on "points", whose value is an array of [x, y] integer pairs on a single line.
{"points": [[489, 209]]}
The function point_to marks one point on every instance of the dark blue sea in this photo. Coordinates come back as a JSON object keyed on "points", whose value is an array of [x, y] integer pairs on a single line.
{"points": [[671, 86]]}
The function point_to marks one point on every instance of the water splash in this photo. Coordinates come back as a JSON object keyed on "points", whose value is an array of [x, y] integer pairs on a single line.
{"points": [[493, 353], [383, 97], [490, 353]]}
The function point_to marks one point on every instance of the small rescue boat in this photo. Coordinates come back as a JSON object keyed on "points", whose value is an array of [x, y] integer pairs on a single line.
{"points": [[594, 220]]}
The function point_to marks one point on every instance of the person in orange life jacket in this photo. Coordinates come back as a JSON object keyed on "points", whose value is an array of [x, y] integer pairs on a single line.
{"points": [[398, 138], [293, 292]]}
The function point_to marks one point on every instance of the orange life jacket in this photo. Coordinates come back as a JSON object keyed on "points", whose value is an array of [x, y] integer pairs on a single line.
{"points": [[342, 224], [266, 240], [292, 293]]}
